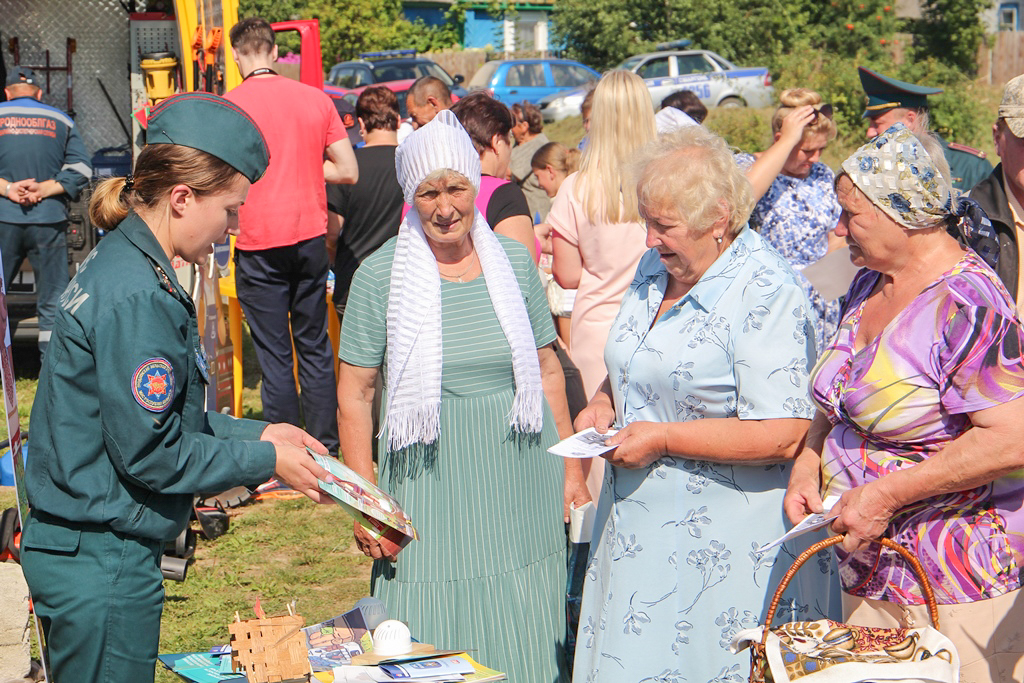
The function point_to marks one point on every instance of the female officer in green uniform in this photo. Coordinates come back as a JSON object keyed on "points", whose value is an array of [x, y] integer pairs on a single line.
{"points": [[120, 438]]}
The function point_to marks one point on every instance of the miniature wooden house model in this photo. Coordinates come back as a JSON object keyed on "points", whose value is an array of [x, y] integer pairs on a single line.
{"points": [[270, 650]]}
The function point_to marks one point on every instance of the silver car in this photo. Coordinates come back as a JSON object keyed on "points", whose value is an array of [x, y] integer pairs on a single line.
{"points": [[716, 81]]}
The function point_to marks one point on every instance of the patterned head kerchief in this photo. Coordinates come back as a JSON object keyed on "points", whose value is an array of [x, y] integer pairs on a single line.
{"points": [[441, 143], [895, 172]]}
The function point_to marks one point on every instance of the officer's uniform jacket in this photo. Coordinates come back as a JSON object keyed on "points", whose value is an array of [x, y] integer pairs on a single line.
{"points": [[120, 437], [967, 165]]}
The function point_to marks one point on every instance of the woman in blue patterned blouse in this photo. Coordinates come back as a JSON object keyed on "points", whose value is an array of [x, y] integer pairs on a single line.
{"points": [[707, 367], [797, 209]]}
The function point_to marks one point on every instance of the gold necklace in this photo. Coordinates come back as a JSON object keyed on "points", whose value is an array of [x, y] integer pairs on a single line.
{"points": [[458, 278]]}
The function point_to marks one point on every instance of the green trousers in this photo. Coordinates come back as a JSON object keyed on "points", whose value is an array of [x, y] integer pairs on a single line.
{"points": [[98, 595]]}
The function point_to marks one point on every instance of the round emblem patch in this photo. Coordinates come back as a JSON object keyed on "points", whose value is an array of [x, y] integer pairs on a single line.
{"points": [[153, 384]]}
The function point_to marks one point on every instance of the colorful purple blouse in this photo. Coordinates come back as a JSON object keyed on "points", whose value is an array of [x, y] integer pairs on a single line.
{"points": [[953, 350]]}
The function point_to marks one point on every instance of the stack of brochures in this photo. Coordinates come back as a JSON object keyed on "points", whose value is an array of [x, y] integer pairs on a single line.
{"points": [[341, 650], [451, 668], [435, 667], [213, 666]]}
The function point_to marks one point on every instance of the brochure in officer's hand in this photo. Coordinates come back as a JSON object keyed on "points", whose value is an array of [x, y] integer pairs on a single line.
{"points": [[376, 511]]}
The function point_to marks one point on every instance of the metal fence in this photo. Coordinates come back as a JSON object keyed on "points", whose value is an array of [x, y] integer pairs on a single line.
{"points": [[100, 31]]}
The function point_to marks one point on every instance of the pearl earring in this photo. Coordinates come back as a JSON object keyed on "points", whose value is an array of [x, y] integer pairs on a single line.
{"points": [[718, 239]]}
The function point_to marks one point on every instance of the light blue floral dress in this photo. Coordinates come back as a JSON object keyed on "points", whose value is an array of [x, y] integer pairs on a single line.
{"points": [[674, 575], [795, 215]]}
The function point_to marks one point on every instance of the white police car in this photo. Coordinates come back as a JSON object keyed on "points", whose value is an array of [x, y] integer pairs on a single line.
{"points": [[716, 81]]}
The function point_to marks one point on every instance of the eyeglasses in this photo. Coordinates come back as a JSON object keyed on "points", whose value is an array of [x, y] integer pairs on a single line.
{"points": [[824, 110]]}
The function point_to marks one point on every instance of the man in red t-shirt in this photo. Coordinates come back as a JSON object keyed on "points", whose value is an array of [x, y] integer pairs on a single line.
{"points": [[281, 256]]}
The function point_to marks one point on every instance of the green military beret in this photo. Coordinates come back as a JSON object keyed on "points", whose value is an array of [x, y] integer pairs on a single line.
{"points": [[886, 93], [214, 125]]}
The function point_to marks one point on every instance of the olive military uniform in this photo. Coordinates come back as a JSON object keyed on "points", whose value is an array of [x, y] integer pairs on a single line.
{"points": [[121, 439], [967, 165]]}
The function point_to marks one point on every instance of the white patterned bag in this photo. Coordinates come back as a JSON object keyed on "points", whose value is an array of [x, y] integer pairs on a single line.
{"points": [[826, 651]]}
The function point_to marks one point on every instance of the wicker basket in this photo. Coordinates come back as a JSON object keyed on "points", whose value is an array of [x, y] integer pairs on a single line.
{"points": [[759, 670]]}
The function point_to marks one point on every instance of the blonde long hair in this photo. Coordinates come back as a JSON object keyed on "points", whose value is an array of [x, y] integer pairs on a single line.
{"points": [[557, 156], [621, 123]]}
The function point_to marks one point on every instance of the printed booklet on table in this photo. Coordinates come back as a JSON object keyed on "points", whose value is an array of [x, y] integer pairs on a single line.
{"points": [[336, 641]]}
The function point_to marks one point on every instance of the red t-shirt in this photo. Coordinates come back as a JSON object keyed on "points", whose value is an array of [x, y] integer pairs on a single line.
{"points": [[289, 203]]}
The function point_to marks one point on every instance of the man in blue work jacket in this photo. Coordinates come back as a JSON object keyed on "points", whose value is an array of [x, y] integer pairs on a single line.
{"points": [[43, 163]]}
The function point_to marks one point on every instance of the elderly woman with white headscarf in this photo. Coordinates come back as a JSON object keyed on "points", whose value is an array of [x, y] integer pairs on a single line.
{"points": [[457, 319], [921, 415]]}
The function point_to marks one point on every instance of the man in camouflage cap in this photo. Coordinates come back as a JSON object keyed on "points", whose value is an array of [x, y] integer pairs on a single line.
{"points": [[1001, 194], [891, 101]]}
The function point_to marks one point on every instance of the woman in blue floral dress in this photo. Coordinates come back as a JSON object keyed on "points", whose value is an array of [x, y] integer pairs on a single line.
{"points": [[798, 210], [708, 361]]}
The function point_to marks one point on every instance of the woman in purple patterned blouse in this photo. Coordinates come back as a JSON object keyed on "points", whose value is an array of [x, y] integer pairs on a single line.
{"points": [[921, 422]]}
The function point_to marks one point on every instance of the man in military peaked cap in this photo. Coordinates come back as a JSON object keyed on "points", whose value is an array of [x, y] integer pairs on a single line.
{"points": [[891, 101]]}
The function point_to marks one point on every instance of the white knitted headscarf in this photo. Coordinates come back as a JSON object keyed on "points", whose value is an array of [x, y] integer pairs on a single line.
{"points": [[670, 119], [413, 379]]}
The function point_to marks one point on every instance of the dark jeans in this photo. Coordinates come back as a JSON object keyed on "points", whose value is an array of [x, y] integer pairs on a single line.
{"points": [[275, 287], [46, 247]]}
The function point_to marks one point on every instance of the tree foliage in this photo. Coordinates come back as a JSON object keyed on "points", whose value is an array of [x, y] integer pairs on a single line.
{"points": [[354, 26], [806, 43], [951, 31], [603, 32]]}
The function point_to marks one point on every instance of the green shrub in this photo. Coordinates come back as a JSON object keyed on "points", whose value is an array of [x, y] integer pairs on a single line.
{"points": [[748, 130], [959, 114]]}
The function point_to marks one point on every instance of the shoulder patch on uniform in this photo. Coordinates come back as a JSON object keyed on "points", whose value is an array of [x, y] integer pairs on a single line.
{"points": [[153, 384], [964, 148]]}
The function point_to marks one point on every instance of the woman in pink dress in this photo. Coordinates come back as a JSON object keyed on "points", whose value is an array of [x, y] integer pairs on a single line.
{"points": [[598, 238]]}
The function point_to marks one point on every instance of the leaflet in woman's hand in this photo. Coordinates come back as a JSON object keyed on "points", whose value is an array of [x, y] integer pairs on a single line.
{"points": [[586, 444], [809, 523], [376, 511]]}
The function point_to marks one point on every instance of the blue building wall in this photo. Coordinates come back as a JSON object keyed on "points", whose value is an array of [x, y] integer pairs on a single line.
{"points": [[431, 16], [483, 29]]}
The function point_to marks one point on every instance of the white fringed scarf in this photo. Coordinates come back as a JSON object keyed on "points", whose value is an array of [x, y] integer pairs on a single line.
{"points": [[413, 413]]}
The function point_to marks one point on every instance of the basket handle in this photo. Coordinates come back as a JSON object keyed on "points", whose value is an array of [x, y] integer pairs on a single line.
{"points": [[915, 564]]}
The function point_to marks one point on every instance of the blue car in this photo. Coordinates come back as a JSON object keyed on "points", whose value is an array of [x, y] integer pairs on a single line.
{"points": [[515, 80]]}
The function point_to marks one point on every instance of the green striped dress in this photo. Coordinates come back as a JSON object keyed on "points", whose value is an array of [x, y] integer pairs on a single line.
{"points": [[488, 573]]}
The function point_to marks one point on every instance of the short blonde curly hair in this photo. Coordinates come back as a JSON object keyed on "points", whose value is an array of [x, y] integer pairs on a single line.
{"points": [[693, 172]]}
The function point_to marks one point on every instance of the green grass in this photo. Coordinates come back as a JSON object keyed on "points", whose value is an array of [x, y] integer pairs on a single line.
{"points": [[277, 551]]}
